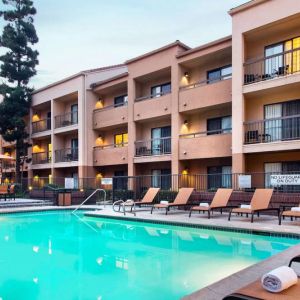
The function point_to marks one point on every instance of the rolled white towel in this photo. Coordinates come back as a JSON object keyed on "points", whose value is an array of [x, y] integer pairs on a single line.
{"points": [[164, 202], [204, 204], [279, 279], [128, 202], [297, 208], [246, 206]]}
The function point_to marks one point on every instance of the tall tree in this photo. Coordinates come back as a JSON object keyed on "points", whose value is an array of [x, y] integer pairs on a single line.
{"points": [[16, 69]]}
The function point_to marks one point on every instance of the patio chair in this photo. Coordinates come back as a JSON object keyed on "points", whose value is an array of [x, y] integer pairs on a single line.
{"points": [[289, 213], [148, 197], [219, 201], [181, 199], [259, 203], [255, 291], [3, 191]]}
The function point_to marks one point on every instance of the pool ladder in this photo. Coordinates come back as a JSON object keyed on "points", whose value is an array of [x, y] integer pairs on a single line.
{"points": [[89, 197]]}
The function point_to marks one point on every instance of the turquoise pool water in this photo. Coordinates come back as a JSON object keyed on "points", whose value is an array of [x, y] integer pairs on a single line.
{"points": [[56, 255]]}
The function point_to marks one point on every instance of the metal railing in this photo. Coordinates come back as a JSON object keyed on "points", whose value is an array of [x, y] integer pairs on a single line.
{"points": [[152, 96], [41, 158], [281, 64], [8, 165], [42, 125], [205, 82], [66, 155], [110, 146], [89, 197], [67, 119], [272, 130], [151, 147], [205, 133]]}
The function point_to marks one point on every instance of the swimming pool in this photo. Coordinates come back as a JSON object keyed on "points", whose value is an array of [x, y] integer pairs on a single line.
{"points": [[56, 255]]}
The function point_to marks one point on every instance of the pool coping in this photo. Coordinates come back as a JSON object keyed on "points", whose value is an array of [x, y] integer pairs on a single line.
{"points": [[189, 224]]}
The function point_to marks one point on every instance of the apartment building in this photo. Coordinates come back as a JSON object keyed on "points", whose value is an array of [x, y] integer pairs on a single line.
{"points": [[229, 106]]}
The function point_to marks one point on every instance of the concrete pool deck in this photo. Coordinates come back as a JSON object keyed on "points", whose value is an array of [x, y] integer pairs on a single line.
{"points": [[228, 285]]}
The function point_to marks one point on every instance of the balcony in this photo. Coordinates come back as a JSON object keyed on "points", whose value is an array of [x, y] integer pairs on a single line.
{"points": [[271, 67], [8, 167], [153, 150], [204, 94], [41, 126], [283, 133], [111, 155], [67, 119], [41, 158], [110, 116], [207, 144], [152, 106], [66, 155]]}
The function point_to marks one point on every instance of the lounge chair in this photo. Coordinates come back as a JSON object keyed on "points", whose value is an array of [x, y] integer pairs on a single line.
{"points": [[219, 201], [289, 213], [255, 291], [3, 191], [259, 202], [181, 199], [148, 197]]}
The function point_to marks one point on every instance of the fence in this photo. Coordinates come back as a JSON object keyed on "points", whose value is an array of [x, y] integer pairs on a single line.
{"points": [[134, 187]]}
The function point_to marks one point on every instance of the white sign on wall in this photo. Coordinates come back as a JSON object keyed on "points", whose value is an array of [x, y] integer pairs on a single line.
{"points": [[289, 179], [106, 181], [244, 181], [69, 183]]}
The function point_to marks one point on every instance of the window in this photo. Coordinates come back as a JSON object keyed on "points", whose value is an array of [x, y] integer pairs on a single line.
{"points": [[277, 126], [219, 74], [160, 90], [279, 63], [120, 100], [161, 178], [74, 114], [219, 125], [219, 177], [161, 140], [121, 139]]}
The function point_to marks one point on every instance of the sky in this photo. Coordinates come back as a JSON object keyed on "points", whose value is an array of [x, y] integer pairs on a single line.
{"points": [[75, 35]]}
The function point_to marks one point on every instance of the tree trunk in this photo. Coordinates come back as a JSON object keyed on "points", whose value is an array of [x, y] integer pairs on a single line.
{"points": [[18, 160]]}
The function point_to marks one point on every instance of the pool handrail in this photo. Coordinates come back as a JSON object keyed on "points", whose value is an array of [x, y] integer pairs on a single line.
{"points": [[89, 197]]}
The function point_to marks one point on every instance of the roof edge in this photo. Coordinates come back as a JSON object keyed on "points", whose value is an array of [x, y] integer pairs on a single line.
{"points": [[96, 84], [205, 46], [81, 73], [245, 6], [176, 43]]}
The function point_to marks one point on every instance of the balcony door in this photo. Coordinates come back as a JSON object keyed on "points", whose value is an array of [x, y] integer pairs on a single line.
{"points": [[49, 120], [74, 149], [160, 144], [273, 125], [74, 114]]}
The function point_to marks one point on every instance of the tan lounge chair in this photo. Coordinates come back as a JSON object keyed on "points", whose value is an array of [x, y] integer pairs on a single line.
{"points": [[254, 291], [259, 202], [219, 201], [181, 199], [289, 213], [148, 197]]}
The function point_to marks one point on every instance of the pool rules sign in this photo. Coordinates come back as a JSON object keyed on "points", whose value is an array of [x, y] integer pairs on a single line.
{"points": [[289, 179]]}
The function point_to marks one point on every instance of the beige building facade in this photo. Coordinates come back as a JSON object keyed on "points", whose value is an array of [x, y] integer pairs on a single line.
{"points": [[229, 106]]}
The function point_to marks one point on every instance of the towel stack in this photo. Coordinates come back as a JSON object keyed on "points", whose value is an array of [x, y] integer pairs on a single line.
{"points": [[164, 202], [297, 208], [246, 206], [205, 204]]}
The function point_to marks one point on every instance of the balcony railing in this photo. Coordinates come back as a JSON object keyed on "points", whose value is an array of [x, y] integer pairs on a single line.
{"points": [[152, 96], [41, 158], [272, 130], [277, 65], [67, 119], [205, 133], [41, 125], [205, 82], [151, 147], [111, 146], [8, 165], [66, 155]]}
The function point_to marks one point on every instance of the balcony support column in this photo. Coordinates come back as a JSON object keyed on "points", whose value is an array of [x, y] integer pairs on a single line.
{"points": [[238, 163]]}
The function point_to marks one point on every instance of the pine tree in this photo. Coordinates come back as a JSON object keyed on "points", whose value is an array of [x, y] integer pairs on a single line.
{"points": [[16, 69]]}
